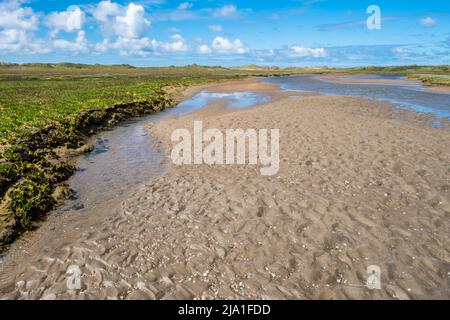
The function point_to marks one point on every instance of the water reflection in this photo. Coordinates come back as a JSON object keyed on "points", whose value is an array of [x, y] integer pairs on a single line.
{"points": [[412, 96]]}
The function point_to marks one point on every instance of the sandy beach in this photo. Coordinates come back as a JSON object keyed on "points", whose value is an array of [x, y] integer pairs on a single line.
{"points": [[441, 89], [360, 183]]}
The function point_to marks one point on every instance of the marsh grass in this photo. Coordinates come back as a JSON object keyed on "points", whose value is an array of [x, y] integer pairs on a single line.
{"points": [[432, 79]]}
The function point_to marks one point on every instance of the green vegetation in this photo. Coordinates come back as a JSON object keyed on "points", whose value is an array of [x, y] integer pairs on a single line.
{"points": [[404, 70], [428, 75], [432, 79]]}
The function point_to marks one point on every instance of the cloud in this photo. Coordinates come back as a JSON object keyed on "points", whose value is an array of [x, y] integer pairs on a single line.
{"points": [[181, 12], [102, 47], [401, 52], [226, 11], [144, 46], [128, 21], [17, 26], [300, 51], [70, 20], [13, 16], [18, 41], [104, 10], [79, 45], [130, 46], [204, 49], [215, 28], [427, 22], [178, 44], [345, 56], [185, 6], [222, 45], [133, 23], [129, 25], [184, 12]]}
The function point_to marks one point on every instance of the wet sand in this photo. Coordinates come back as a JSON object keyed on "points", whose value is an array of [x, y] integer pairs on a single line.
{"points": [[440, 89], [360, 183]]}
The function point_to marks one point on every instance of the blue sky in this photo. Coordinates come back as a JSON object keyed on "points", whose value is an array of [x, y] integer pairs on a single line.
{"points": [[229, 33]]}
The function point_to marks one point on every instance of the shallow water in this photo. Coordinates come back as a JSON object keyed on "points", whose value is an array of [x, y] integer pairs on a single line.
{"points": [[378, 77], [411, 96], [237, 100], [127, 156]]}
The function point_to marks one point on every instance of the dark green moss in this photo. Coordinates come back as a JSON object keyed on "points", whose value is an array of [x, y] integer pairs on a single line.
{"points": [[32, 173], [8, 175], [17, 153], [61, 171], [29, 200]]}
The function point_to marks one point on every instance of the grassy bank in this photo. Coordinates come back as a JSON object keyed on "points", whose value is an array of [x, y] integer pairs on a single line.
{"points": [[432, 79], [37, 94]]}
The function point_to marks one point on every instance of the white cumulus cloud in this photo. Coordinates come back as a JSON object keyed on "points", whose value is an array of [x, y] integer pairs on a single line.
{"points": [[177, 44], [70, 20], [17, 27], [204, 49], [133, 23], [300, 51], [144, 46], [104, 10], [225, 46], [19, 41], [128, 21], [13, 16], [79, 45]]}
